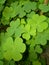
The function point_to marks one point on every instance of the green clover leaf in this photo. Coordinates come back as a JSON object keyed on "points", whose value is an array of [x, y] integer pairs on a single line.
{"points": [[33, 26], [32, 54], [28, 6], [26, 36], [38, 49], [13, 49], [13, 25], [36, 63], [40, 25], [19, 31], [44, 8], [7, 12], [42, 38]]}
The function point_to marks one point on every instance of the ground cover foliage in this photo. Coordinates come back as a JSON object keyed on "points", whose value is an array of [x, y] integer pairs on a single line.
{"points": [[24, 32]]}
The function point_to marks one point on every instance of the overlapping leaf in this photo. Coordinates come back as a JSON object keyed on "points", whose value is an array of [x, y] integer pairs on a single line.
{"points": [[40, 39], [13, 50], [32, 54], [7, 12], [15, 9], [28, 6], [38, 49], [44, 7], [33, 25], [15, 28]]}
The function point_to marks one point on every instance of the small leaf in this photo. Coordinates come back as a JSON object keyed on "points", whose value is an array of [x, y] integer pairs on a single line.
{"points": [[23, 21], [28, 6], [42, 26], [12, 62], [7, 12], [17, 56], [27, 27], [32, 54], [13, 24], [38, 49], [20, 45], [26, 36], [19, 31], [36, 63], [43, 8], [33, 32]]}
